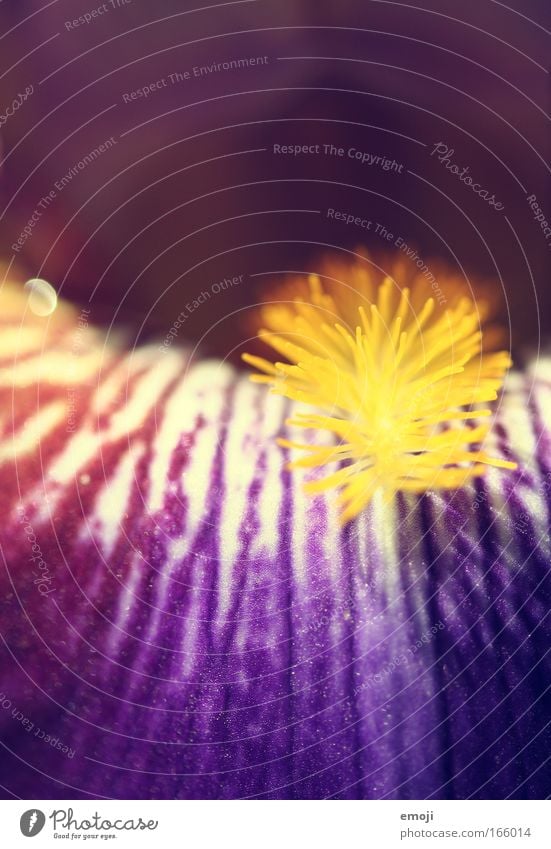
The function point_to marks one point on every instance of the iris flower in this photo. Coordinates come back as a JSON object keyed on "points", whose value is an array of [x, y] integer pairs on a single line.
{"points": [[186, 617]]}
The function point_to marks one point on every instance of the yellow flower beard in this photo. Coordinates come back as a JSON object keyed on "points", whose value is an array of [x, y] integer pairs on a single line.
{"points": [[389, 376]]}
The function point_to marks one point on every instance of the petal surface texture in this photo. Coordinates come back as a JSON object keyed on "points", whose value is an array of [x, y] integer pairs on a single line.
{"points": [[180, 620]]}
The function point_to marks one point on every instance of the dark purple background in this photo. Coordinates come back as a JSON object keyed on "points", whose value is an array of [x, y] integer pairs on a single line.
{"points": [[177, 204]]}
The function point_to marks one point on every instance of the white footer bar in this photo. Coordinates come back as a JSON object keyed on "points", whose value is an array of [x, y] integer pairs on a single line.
{"points": [[277, 824]]}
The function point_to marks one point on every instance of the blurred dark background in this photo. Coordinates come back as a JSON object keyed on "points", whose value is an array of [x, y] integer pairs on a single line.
{"points": [[188, 190]]}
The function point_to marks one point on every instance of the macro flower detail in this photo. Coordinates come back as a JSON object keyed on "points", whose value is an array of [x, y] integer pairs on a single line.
{"points": [[179, 621], [394, 378]]}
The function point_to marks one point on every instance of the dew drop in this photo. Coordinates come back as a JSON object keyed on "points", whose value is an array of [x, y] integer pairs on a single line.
{"points": [[42, 296]]}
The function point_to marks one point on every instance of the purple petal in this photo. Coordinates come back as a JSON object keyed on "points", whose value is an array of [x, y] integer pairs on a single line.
{"points": [[194, 626]]}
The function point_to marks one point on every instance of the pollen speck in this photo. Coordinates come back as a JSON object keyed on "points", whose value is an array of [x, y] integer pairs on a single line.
{"points": [[391, 375]]}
